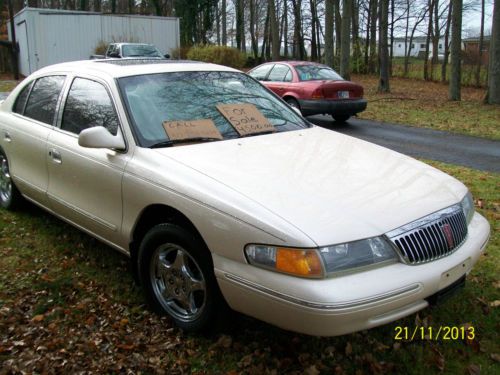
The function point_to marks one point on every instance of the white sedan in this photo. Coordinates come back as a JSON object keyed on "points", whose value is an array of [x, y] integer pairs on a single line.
{"points": [[224, 197]]}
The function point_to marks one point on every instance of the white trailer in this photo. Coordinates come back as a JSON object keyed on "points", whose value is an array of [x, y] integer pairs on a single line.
{"points": [[50, 36]]}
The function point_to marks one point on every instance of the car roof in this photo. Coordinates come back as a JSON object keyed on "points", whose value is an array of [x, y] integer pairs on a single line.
{"points": [[116, 68]]}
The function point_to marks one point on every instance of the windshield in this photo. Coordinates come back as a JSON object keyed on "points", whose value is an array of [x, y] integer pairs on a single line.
{"points": [[317, 72], [156, 102], [137, 50]]}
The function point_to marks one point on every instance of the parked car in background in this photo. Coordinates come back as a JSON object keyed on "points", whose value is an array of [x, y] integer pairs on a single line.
{"points": [[222, 195], [313, 88], [131, 50]]}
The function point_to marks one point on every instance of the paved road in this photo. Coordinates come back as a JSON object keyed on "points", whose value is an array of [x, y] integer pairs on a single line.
{"points": [[473, 152]]}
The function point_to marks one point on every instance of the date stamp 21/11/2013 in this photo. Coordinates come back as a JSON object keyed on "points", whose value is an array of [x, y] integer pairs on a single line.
{"points": [[434, 333]]}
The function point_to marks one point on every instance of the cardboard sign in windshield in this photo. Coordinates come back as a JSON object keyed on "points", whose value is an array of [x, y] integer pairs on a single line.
{"points": [[181, 129], [246, 118]]}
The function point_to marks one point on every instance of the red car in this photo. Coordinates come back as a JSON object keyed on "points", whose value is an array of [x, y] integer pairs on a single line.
{"points": [[313, 88]]}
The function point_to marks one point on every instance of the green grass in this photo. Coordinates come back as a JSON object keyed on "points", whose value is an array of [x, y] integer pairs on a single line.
{"points": [[69, 303], [416, 71], [425, 104]]}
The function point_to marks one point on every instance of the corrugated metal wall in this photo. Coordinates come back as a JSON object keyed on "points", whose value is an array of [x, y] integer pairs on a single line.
{"points": [[48, 36]]}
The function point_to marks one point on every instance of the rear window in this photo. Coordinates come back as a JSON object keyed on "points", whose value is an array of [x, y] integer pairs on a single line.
{"points": [[317, 72]]}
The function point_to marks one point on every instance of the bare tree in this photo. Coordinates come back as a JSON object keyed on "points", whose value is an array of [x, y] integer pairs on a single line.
{"points": [[224, 23], [446, 44], [481, 42], [383, 83], [456, 41], [345, 42], [329, 32], [275, 37], [373, 35], [493, 95]]}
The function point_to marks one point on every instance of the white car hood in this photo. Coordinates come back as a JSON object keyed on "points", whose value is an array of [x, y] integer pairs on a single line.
{"points": [[332, 187]]}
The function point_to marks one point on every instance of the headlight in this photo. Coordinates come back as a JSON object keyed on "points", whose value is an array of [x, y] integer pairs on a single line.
{"points": [[468, 207], [299, 262], [325, 260], [357, 254]]}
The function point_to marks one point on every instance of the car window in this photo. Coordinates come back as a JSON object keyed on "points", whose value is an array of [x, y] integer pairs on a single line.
{"points": [[288, 77], [279, 73], [21, 99], [42, 100], [88, 104], [317, 72], [138, 50], [260, 73], [154, 99]]}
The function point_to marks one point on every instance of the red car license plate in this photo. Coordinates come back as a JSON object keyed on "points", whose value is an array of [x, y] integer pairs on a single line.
{"points": [[343, 94]]}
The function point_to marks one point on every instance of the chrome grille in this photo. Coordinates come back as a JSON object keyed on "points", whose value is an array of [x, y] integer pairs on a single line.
{"points": [[432, 237]]}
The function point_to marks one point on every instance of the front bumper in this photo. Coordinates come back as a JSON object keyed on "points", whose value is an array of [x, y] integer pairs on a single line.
{"points": [[347, 107], [349, 303]]}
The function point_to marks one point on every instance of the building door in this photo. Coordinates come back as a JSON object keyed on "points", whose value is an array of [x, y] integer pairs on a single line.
{"points": [[24, 52]]}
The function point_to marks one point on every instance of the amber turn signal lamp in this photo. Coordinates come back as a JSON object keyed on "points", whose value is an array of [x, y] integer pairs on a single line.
{"points": [[298, 262]]}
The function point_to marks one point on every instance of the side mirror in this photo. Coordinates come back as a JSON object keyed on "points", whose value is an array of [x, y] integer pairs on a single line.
{"points": [[114, 54], [100, 137], [167, 56]]}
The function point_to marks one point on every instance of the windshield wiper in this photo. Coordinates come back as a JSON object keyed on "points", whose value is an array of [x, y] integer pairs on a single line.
{"points": [[172, 142]]}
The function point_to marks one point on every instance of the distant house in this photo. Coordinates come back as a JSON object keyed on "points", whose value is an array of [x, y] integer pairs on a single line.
{"points": [[471, 50], [417, 47]]}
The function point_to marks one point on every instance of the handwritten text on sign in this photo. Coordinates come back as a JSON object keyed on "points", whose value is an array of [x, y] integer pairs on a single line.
{"points": [[191, 129], [245, 118]]}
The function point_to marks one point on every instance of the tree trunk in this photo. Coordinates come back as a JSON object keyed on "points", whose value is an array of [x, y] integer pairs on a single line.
{"points": [[456, 41], [223, 21], [407, 43], [298, 40], [428, 40], [314, 50], [285, 28], [435, 38], [493, 95], [383, 83], [481, 42], [373, 36], [329, 32], [255, 47], [345, 42], [446, 44], [355, 37], [275, 36], [338, 28], [240, 26]]}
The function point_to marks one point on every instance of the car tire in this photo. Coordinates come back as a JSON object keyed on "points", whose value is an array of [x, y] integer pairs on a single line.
{"points": [[176, 272], [341, 118], [292, 102], [10, 197]]}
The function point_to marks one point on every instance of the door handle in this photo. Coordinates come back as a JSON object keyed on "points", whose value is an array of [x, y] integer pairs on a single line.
{"points": [[6, 137], [55, 155]]}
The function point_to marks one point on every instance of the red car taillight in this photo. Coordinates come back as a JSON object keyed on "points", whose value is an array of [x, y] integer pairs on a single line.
{"points": [[318, 94]]}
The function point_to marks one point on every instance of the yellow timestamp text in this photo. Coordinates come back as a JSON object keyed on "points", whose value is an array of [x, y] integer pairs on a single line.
{"points": [[434, 333]]}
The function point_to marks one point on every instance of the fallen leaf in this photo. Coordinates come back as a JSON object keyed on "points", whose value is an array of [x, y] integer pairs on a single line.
{"points": [[396, 346], [495, 357], [473, 369], [225, 341], [312, 370], [495, 303], [348, 349], [38, 318]]}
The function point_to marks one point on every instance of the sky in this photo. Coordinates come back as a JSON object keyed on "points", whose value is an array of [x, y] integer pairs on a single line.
{"points": [[471, 21]]}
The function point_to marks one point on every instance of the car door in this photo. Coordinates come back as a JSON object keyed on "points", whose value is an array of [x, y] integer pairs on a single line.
{"points": [[24, 138], [85, 183], [279, 79]]}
